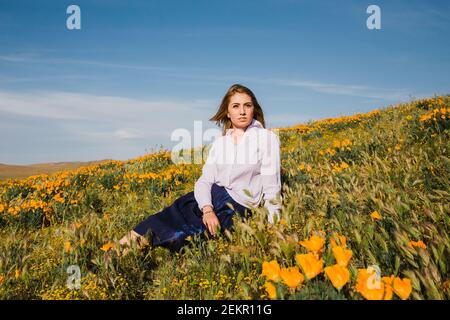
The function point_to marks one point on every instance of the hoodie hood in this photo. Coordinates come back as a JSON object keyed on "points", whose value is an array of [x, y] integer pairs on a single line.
{"points": [[254, 124]]}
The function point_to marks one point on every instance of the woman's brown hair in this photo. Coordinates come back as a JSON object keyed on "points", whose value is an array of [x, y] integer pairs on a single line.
{"points": [[221, 116]]}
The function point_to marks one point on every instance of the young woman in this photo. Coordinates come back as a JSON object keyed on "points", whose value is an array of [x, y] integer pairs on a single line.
{"points": [[242, 167]]}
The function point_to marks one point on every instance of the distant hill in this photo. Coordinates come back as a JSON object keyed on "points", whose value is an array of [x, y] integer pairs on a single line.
{"points": [[22, 171]]}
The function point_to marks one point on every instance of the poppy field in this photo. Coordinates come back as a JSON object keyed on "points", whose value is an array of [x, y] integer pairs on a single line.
{"points": [[365, 216]]}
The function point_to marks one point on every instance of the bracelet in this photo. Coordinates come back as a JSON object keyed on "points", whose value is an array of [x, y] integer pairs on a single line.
{"points": [[209, 211]]}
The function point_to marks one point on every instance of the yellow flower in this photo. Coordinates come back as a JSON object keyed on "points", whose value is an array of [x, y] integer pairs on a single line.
{"points": [[291, 277], [376, 215], [402, 287], [342, 240], [271, 290], [271, 270], [107, 246], [367, 287], [18, 273], [310, 264], [14, 210], [314, 244], [342, 255], [59, 198], [336, 144], [419, 244], [67, 246], [344, 165], [388, 287], [338, 275], [346, 142], [446, 285], [82, 242], [2, 278], [77, 225]]}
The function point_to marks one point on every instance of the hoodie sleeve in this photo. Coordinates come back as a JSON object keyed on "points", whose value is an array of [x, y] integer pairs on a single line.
{"points": [[270, 173], [202, 187]]}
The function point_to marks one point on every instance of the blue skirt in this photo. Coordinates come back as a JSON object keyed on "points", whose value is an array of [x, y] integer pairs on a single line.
{"points": [[170, 227]]}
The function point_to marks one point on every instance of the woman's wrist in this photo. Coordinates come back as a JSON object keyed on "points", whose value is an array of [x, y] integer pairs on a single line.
{"points": [[207, 209]]}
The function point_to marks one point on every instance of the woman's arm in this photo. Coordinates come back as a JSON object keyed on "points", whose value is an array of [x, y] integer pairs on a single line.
{"points": [[202, 187], [270, 174]]}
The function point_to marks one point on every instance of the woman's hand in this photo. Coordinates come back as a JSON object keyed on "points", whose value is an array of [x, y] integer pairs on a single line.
{"points": [[211, 222]]}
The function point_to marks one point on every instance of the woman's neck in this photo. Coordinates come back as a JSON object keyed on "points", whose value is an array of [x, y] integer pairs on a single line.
{"points": [[238, 131]]}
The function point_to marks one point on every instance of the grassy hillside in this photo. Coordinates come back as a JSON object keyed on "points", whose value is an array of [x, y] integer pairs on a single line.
{"points": [[369, 191]]}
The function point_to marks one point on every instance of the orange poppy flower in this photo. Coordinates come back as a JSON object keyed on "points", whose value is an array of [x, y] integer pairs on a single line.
{"points": [[368, 286], [292, 277], [310, 264], [67, 246], [342, 255], [341, 239], [313, 244], [402, 287], [271, 290], [419, 244], [271, 270], [107, 246], [338, 275], [376, 215], [388, 287]]}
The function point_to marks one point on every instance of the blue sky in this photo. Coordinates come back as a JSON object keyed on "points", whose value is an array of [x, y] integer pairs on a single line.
{"points": [[138, 70]]}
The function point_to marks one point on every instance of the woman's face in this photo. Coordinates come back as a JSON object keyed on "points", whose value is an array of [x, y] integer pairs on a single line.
{"points": [[240, 110]]}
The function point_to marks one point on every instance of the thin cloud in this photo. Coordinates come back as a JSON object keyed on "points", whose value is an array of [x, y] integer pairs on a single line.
{"points": [[18, 57], [82, 106], [391, 94], [91, 126], [36, 59], [342, 89], [126, 134]]}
